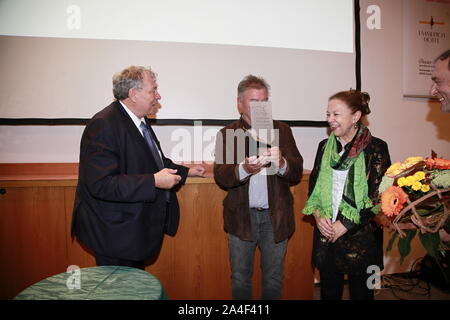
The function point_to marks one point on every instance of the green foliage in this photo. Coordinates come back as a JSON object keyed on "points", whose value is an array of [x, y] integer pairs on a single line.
{"points": [[423, 212], [404, 244], [376, 209], [391, 242], [431, 242], [386, 182], [441, 179]]}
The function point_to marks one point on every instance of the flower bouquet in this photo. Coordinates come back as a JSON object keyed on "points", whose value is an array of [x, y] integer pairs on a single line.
{"points": [[415, 199]]}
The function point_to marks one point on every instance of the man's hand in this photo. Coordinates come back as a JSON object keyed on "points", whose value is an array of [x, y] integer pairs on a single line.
{"points": [[254, 164], [197, 171], [274, 155], [166, 178]]}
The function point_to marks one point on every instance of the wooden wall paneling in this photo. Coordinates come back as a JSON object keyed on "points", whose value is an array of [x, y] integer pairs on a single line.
{"points": [[299, 276], [213, 256], [38, 169], [194, 264], [35, 240], [77, 254], [32, 234], [188, 241]]}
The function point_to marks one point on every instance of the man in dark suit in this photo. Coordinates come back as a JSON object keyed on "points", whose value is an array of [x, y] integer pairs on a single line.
{"points": [[125, 200], [258, 209]]}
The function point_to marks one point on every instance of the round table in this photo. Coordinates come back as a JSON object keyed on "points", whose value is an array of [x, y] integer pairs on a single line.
{"points": [[97, 283]]}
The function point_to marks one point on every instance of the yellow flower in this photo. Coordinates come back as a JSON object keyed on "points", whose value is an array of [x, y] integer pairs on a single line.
{"points": [[409, 181], [412, 161], [397, 167], [419, 175], [416, 186], [394, 169], [401, 182], [425, 188]]}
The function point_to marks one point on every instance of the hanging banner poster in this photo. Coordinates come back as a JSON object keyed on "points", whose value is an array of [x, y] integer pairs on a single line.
{"points": [[426, 34]]}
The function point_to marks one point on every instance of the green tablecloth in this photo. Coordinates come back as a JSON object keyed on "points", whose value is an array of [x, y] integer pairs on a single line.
{"points": [[97, 283]]}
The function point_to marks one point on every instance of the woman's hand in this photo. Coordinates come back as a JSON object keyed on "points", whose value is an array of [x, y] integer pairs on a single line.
{"points": [[339, 230], [325, 226]]}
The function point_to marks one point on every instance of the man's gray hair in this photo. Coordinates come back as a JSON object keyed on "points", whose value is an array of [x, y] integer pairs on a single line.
{"points": [[131, 77], [252, 82]]}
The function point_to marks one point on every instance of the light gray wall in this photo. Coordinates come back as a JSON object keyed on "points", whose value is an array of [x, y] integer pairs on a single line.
{"points": [[410, 126]]}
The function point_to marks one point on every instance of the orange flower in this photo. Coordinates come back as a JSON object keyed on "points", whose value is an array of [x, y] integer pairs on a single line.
{"points": [[438, 163], [392, 200]]}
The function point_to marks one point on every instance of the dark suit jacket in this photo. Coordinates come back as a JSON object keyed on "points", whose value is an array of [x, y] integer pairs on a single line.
{"points": [[236, 204], [118, 211]]}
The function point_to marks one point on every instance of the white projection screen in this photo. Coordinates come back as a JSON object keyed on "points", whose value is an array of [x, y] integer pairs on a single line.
{"points": [[57, 57]]}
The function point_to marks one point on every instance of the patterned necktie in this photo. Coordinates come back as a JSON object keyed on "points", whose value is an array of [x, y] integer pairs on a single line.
{"points": [[152, 145]]}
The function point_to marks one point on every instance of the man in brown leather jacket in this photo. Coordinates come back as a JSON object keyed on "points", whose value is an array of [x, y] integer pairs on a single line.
{"points": [[258, 209]]}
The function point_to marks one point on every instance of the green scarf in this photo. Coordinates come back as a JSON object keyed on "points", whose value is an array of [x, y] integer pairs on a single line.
{"points": [[355, 196]]}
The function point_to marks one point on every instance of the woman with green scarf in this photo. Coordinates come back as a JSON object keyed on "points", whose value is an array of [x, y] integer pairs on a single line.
{"points": [[343, 186]]}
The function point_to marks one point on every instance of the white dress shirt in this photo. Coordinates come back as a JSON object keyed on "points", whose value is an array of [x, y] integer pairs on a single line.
{"points": [[137, 121]]}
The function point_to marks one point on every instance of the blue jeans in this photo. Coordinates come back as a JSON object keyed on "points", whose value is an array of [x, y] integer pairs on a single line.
{"points": [[242, 255]]}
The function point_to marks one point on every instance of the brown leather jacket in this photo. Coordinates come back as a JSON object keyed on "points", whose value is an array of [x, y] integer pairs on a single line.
{"points": [[236, 204]]}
